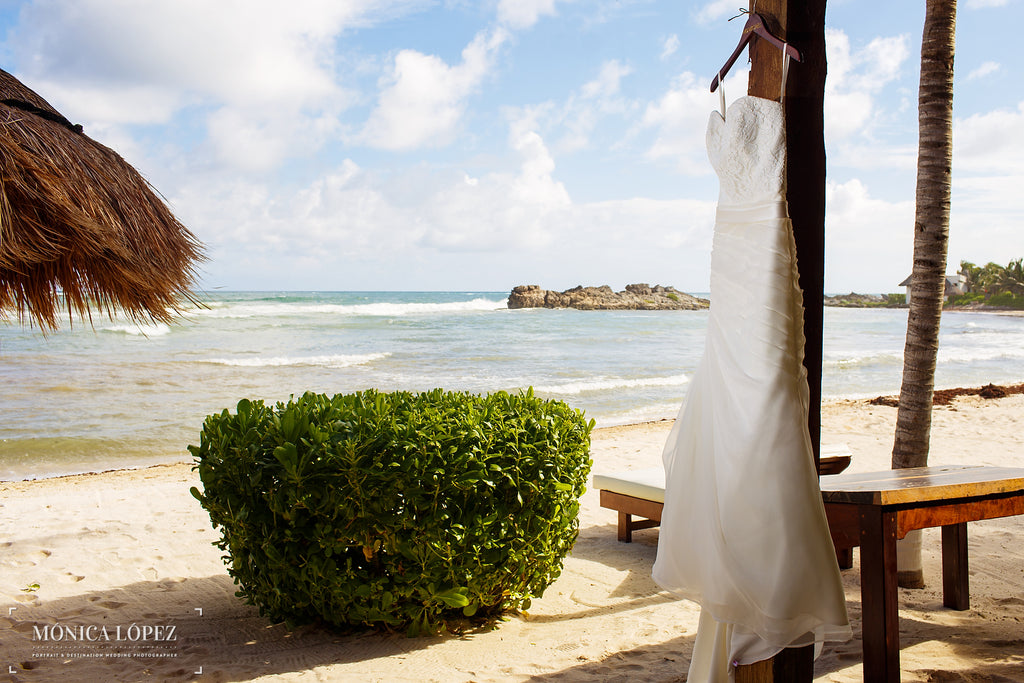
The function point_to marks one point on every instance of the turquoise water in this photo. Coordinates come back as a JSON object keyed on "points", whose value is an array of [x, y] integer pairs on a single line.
{"points": [[118, 394]]}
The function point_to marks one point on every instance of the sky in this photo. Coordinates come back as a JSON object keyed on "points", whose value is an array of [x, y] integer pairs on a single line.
{"points": [[479, 145]]}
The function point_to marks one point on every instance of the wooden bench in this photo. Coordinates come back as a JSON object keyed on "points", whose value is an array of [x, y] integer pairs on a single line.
{"points": [[641, 493]]}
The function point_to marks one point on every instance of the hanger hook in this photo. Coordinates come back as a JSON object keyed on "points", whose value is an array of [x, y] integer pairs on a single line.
{"points": [[744, 10]]}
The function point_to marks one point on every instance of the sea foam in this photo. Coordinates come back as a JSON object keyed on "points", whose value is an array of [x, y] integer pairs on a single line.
{"points": [[612, 383], [381, 309], [329, 361], [140, 330]]}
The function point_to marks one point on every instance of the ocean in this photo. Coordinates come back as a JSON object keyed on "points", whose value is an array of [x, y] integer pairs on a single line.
{"points": [[118, 394]]}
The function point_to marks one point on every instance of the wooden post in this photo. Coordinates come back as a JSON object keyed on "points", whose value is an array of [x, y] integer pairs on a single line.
{"points": [[801, 23]]}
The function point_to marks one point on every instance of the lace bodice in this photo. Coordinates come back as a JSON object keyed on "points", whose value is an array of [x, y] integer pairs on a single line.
{"points": [[748, 152]]}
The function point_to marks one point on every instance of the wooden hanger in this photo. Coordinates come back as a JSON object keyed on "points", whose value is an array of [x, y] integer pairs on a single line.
{"points": [[755, 26]]}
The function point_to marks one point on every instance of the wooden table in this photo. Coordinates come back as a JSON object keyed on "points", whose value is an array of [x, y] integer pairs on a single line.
{"points": [[872, 510]]}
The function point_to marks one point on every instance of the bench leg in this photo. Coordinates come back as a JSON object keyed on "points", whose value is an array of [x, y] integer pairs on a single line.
{"points": [[956, 592], [625, 527]]}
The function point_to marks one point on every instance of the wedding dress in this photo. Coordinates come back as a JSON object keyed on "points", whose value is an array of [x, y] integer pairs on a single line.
{"points": [[743, 529]]}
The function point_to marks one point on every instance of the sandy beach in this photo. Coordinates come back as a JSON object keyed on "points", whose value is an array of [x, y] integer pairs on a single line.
{"points": [[132, 550]]}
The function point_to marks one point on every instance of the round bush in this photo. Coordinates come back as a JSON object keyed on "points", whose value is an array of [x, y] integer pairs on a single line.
{"points": [[394, 510]]}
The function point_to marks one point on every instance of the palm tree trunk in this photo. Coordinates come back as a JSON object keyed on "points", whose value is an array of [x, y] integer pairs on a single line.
{"points": [[931, 235]]}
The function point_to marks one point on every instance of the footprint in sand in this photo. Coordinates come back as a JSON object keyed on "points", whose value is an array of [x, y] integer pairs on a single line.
{"points": [[68, 577], [112, 604], [150, 573], [27, 626], [28, 559], [1004, 644], [82, 612]]}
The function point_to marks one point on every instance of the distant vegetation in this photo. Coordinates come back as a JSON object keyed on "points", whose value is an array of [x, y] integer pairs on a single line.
{"points": [[988, 286], [991, 285]]}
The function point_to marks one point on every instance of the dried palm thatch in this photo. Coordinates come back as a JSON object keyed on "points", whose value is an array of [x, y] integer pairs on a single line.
{"points": [[79, 227]]}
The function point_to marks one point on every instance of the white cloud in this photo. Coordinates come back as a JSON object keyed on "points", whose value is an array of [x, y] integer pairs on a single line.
{"points": [[235, 52], [607, 82], [359, 214], [260, 142], [872, 157], [670, 46], [519, 14], [254, 64], [868, 241], [486, 214], [715, 10], [855, 78], [423, 98], [354, 228], [680, 119], [985, 218], [990, 143], [535, 184], [575, 120], [984, 70], [112, 104], [871, 240]]}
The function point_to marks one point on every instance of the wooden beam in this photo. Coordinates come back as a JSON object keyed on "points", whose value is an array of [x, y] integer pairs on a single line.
{"points": [[802, 24]]}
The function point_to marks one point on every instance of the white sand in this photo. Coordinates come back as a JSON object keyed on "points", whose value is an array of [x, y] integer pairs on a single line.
{"points": [[133, 547]]}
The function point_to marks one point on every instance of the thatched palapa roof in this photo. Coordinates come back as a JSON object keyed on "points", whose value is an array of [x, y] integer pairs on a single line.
{"points": [[79, 227]]}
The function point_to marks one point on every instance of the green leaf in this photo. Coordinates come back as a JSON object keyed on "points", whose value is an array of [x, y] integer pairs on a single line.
{"points": [[454, 597]]}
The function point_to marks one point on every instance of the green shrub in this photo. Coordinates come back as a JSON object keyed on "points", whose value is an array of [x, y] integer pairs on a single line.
{"points": [[394, 510], [966, 299], [1006, 299]]}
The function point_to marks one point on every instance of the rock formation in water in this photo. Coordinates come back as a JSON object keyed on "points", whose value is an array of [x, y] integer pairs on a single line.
{"points": [[634, 297]]}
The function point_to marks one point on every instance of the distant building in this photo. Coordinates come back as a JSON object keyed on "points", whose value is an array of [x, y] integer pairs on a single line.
{"points": [[955, 286]]}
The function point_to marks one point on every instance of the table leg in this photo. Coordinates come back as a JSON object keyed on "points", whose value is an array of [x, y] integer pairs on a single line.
{"points": [[956, 592], [879, 597]]}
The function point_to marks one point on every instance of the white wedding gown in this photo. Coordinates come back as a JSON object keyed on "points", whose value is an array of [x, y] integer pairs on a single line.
{"points": [[743, 530]]}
